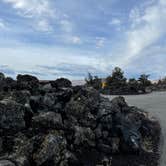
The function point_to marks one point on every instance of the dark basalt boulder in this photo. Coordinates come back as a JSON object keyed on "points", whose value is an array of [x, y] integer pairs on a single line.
{"points": [[11, 116], [51, 151], [27, 82], [9, 84], [47, 120], [82, 108], [6, 83], [46, 88], [61, 83], [36, 103], [6, 163], [22, 96], [2, 77], [53, 123]]}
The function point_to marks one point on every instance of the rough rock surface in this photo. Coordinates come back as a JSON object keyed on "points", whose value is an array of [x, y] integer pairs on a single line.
{"points": [[55, 124]]}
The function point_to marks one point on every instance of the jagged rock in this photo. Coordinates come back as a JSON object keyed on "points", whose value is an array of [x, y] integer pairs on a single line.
{"points": [[104, 148], [48, 120], [11, 116], [22, 161], [50, 151], [106, 122], [6, 84], [9, 84], [49, 99], [105, 108], [6, 163], [61, 82], [49, 102], [52, 123], [1, 145], [35, 103], [119, 105], [64, 95], [46, 88], [2, 76], [115, 144], [21, 97], [23, 149], [84, 137], [27, 82], [83, 107]]}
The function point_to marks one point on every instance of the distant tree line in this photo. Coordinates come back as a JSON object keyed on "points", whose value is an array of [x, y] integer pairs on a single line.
{"points": [[160, 85], [117, 83], [162, 81]]}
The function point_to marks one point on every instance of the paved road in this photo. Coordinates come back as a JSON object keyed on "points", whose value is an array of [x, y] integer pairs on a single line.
{"points": [[155, 103]]}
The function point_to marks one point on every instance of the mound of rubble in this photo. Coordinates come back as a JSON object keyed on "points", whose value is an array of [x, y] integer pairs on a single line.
{"points": [[55, 124]]}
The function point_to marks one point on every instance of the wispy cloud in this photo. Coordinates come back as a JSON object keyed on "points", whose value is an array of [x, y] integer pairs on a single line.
{"points": [[2, 24], [146, 29], [115, 21], [67, 26], [32, 8], [72, 70], [95, 35], [7, 70], [100, 41]]}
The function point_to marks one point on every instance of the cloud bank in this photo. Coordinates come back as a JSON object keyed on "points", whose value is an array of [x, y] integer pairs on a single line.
{"points": [[53, 38]]}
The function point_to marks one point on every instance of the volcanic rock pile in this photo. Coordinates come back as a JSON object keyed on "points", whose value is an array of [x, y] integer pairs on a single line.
{"points": [[55, 124]]}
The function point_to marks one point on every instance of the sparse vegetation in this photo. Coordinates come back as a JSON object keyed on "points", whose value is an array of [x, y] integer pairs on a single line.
{"points": [[117, 83], [93, 81]]}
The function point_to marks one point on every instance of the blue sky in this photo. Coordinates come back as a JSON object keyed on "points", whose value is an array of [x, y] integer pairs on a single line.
{"points": [[69, 38]]}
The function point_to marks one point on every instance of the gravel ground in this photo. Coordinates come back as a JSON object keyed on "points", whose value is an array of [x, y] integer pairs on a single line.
{"points": [[155, 104]]}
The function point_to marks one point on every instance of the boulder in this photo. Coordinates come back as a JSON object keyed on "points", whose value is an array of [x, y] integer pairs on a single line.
{"points": [[27, 82], [2, 77], [12, 116], [61, 82], [83, 107], [21, 97], [9, 84], [6, 163], [51, 151], [84, 137], [47, 120], [45, 123], [46, 88], [64, 95], [6, 83], [36, 103]]}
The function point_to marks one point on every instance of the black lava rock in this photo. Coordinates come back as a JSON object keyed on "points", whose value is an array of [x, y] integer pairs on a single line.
{"points": [[53, 123]]}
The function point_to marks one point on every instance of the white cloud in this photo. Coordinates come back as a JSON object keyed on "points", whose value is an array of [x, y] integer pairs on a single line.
{"points": [[76, 40], [43, 25], [66, 25], [135, 17], [31, 8], [23, 57], [115, 21], [38, 12], [2, 24], [69, 38], [100, 41], [149, 27], [151, 61], [41, 13], [163, 2]]}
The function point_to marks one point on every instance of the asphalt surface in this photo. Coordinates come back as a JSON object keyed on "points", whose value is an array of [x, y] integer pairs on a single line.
{"points": [[155, 104]]}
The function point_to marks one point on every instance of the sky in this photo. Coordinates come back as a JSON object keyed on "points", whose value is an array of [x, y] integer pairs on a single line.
{"points": [[69, 38]]}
